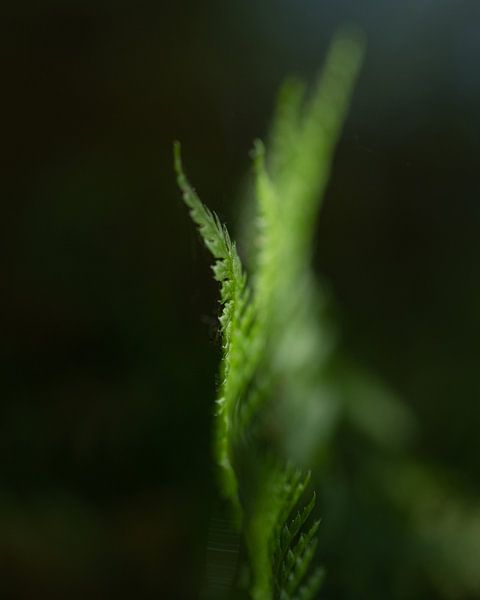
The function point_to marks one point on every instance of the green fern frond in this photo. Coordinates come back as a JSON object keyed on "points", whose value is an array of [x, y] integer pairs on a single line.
{"points": [[235, 320], [290, 182], [290, 188], [272, 341]]}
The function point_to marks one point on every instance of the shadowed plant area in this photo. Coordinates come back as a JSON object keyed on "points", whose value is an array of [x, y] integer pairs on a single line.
{"points": [[289, 403]]}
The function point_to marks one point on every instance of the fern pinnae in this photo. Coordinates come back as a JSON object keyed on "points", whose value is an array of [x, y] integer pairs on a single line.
{"points": [[291, 529], [298, 559], [229, 273], [294, 548], [309, 590]]}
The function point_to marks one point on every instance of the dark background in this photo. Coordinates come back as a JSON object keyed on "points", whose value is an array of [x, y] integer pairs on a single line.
{"points": [[107, 361]]}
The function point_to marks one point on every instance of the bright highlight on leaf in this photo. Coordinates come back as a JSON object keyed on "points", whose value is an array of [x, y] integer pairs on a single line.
{"points": [[272, 340]]}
